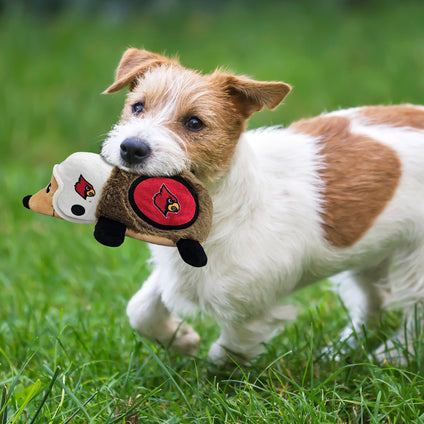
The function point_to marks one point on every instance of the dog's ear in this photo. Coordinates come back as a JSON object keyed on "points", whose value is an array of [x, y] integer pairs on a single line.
{"points": [[251, 96], [135, 62]]}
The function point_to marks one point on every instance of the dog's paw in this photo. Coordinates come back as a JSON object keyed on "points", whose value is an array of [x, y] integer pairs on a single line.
{"points": [[392, 353], [330, 352], [345, 344], [185, 340], [222, 358], [217, 355]]}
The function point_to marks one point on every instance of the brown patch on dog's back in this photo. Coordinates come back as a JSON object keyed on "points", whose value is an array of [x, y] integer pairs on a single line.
{"points": [[360, 177], [395, 116]]}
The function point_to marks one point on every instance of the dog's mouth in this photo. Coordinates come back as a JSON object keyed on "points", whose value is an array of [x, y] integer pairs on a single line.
{"points": [[128, 167], [150, 167], [122, 164]]}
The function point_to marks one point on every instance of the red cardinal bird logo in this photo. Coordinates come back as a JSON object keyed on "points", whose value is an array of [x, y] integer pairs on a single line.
{"points": [[84, 188], [165, 201]]}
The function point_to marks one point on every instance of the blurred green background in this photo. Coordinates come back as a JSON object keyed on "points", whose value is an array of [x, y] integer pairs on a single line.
{"points": [[335, 53], [62, 295]]}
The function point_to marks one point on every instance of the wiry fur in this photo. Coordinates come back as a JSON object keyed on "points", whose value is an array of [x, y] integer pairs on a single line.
{"points": [[268, 235]]}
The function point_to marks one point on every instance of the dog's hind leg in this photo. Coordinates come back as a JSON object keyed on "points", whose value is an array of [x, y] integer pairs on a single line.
{"points": [[362, 294], [406, 292], [242, 341], [150, 317]]}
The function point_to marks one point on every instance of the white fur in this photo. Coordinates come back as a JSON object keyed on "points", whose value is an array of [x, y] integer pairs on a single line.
{"points": [[168, 153], [267, 240]]}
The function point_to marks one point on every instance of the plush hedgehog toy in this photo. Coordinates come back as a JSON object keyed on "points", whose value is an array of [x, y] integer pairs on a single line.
{"points": [[171, 211]]}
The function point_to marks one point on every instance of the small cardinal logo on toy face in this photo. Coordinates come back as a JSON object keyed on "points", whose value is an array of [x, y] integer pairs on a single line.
{"points": [[165, 201], [84, 188]]}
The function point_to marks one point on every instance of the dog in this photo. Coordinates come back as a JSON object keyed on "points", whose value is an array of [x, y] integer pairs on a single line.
{"points": [[338, 195]]}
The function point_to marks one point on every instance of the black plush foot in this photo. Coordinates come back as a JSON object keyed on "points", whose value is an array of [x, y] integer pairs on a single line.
{"points": [[110, 233], [192, 252]]}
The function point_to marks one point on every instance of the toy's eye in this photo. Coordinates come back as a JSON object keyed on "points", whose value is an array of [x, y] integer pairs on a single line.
{"points": [[49, 187], [137, 108], [193, 123]]}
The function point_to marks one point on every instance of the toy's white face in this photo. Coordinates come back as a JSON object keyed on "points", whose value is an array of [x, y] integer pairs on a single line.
{"points": [[80, 180]]}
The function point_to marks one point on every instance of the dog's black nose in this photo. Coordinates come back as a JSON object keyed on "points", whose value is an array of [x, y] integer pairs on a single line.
{"points": [[134, 150]]}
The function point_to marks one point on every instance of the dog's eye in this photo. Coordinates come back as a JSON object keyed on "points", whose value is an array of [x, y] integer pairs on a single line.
{"points": [[193, 123], [49, 187], [137, 108]]}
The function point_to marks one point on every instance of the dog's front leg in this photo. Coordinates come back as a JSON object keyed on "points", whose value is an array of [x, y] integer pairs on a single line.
{"points": [[151, 318]]}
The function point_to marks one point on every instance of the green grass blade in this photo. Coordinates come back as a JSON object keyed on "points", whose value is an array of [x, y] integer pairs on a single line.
{"points": [[34, 389], [14, 382], [46, 395], [3, 406], [168, 373], [80, 408]]}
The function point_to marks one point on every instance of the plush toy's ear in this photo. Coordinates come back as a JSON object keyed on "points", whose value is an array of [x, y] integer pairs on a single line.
{"points": [[134, 63], [251, 96], [192, 252]]}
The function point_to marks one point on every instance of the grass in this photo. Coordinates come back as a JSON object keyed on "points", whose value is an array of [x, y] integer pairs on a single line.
{"points": [[67, 353]]}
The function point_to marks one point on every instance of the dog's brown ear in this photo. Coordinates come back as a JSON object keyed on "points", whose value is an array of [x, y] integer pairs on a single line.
{"points": [[251, 96], [135, 62]]}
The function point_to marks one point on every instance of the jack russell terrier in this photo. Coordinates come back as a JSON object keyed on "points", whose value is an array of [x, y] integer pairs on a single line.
{"points": [[338, 195]]}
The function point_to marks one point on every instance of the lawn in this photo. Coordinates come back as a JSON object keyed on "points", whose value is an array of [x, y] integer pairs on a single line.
{"points": [[67, 352]]}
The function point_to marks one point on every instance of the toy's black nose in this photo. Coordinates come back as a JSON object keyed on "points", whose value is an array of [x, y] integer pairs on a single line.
{"points": [[134, 150], [25, 201]]}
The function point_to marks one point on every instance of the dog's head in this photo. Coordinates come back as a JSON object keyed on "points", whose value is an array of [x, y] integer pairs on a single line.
{"points": [[176, 119]]}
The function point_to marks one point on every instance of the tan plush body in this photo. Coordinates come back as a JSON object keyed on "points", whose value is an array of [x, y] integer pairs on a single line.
{"points": [[115, 205]]}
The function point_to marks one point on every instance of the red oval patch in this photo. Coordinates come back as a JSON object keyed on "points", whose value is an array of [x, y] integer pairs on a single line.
{"points": [[164, 202]]}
